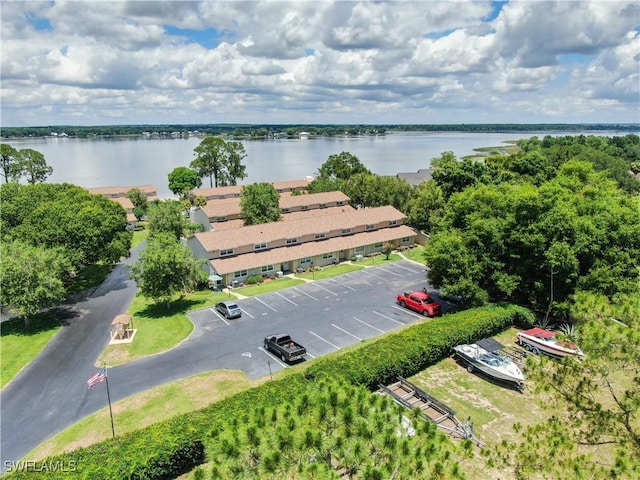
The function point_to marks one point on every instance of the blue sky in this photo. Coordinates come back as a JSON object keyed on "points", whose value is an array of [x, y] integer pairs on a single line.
{"points": [[151, 62]]}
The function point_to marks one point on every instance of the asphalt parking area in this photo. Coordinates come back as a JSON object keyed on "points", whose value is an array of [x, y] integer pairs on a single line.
{"points": [[324, 316]]}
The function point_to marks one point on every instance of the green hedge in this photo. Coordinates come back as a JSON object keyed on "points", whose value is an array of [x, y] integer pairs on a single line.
{"points": [[169, 448], [408, 352]]}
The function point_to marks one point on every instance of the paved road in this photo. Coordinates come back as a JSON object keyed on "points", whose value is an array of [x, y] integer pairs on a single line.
{"points": [[50, 394], [324, 316]]}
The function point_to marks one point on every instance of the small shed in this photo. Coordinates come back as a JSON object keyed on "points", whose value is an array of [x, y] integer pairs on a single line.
{"points": [[122, 327]]}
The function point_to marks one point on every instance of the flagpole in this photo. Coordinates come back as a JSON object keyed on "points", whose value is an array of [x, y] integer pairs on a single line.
{"points": [[106, 379]]}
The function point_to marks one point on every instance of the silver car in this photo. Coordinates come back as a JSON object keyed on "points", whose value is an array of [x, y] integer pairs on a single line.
{"points": [[228, 309]]}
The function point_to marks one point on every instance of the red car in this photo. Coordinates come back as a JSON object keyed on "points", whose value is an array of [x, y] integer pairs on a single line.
{"points": [[420, 302]]}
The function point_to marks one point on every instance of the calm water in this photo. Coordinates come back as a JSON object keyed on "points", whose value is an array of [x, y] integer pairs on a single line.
{"points": [[137, 160]]}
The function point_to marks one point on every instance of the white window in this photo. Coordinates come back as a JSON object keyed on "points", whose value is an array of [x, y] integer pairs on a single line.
{"points": [[393, 222], [239, 274], [319, 236], [360, 248], [267, 268], [221, 219], [291, 241], [304, 207], [370, 226], [323, 205], [260, 246], [327, 256], [226, 252], [346, 231], [305, 260], [405, 239], [339, 203], [378, 245], [286, 210]]}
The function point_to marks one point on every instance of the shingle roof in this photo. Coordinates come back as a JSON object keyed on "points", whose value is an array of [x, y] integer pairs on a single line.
{"points": [[292, 201], [285, 254], [268, 232], [236, 189], [120, 190], [315, 212]]}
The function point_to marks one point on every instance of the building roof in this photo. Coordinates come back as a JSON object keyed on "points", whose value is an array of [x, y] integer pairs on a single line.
{"points": [[293, 201], [222, 207], [120, 190], [309, 249], [269, 232], [122, 319], [416, 178], [237, 189], [292, 184], [315, 212]]}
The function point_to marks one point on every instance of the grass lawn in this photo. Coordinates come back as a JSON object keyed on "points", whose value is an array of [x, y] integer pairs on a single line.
{"points": [[145, 408], [20, 345], [415, 254], [139, 235], [159, 328], [270, 286]]}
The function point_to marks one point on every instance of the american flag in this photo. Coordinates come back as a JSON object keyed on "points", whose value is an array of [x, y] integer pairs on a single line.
{"points": [[98, 377]]}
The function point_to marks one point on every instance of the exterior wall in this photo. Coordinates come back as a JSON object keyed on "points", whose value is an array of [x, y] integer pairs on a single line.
{"points": [[196, 215], [200, 253]]}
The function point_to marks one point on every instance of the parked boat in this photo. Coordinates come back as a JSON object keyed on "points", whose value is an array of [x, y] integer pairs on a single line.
{"points": [[539, 340], [485, 357]]}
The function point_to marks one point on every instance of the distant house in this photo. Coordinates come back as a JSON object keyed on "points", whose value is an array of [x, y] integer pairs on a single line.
{"points": [[416, 178], [119, 194], [234, 191]]}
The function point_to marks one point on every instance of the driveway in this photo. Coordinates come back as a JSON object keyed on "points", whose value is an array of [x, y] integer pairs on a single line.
{"points": [[325, 316]]}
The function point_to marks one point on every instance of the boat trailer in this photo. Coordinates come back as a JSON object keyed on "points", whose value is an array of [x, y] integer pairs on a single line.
{"points": [[407, 394]]}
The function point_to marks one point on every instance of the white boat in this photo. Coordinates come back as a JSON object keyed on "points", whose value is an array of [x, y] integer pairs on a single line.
{"points": [[539, 340], [484, 356]]}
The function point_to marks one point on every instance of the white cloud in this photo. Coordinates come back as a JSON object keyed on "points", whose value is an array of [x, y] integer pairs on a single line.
{"points": [[319, 61]]}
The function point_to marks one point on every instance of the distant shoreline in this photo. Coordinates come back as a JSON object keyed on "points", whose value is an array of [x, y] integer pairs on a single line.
{"points": [[270, 132]]}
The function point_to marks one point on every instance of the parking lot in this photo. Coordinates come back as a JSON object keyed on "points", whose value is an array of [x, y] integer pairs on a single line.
{"points": [[324, 316]]}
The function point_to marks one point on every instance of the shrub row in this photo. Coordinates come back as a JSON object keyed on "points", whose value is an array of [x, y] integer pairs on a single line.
{"points": [[414, 349], [169, 448]]}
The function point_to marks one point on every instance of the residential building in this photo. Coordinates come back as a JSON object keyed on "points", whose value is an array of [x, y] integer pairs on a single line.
{"points": [[119, 194], [320, 237]]}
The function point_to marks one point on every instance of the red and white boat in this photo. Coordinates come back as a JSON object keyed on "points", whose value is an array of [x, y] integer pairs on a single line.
{"points": [[539, 340]]}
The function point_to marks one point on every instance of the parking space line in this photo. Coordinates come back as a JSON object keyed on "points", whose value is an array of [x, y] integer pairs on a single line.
{"points": [[389, 318], [356, 278], [268, 306], [374, 275], [412, 270], [390, 271], [273, 357], [326, 341], [348, 333], [320, 286], [219, 316], [280, 295], [244, 311], [370, 326], [342, 284], [312, 356], [305, 293], [411, 312]]}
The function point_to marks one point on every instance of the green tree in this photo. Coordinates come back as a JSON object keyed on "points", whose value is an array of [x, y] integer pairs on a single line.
{"points": [[595, 430], [342, 166], [166, 217], [138, 199], [453, 175], [259, 203], [91, 228], [425, 207], [32, 277], [34, 166], [10, 163], [166, 267], [182, 180], [220, 161]]}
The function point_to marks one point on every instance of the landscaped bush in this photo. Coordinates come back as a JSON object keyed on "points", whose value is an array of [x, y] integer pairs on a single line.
{"points": [[254, 279], [166, 449]]}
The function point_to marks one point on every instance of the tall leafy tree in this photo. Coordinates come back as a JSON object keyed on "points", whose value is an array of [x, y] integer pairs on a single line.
{"points": [[166, 217], [259, 203], [343, 166], [10, 163], [182, 180], [34, 166], [138, 199], [89, 227], [453, 175], [425, 207], [32, 277], [220, 161], [166, 267]]}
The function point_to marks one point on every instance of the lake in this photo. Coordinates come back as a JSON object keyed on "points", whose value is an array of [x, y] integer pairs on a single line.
{"points": [[138, 160]]}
